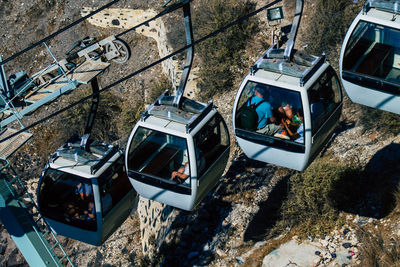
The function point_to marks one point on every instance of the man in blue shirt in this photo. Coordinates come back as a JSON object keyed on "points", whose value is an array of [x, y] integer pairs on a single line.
{"points": [[264, 111], [84, 190]]}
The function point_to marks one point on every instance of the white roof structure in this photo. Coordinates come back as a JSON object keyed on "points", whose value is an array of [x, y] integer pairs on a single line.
{"points": [[71, 158], [273, 66], [163, 114]]}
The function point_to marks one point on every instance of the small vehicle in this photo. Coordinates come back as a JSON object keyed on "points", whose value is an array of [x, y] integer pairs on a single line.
{"points": [[287, 81], [178, 135], [84, 192], [370, 56], [166, 139], [86, 195]]}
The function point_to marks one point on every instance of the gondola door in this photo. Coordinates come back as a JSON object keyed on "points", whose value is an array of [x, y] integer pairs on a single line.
{"points": [[212, 153], [325, 107], [118, 198]]}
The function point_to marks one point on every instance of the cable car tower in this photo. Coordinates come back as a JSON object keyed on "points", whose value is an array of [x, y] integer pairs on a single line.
{"points": [[288, 105]]}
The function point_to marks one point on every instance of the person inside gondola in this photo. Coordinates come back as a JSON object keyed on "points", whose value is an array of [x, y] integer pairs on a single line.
{"points": [[88, 214], [182, 174], [300, 129], [84, 195], [290, 123], [266, 120], [84, 190]]}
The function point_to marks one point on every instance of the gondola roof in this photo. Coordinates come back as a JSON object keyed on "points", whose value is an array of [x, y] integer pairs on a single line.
{"points": [[183, 119], [296, 72], [382, 14], [70, 157]]}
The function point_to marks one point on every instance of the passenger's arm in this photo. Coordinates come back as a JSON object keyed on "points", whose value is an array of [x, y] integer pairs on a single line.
{"points": [[290, 133]]}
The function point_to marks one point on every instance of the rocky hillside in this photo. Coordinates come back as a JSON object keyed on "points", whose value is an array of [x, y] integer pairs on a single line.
{"points": [[238, 223]]}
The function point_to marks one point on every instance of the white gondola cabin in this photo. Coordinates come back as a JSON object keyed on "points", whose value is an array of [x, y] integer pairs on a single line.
{"points": [[309, 88], [86, 195], [370, 56], [193, 139]]}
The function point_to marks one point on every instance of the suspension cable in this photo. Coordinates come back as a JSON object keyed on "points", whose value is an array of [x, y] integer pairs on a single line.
{"points": [[196, 42], [51, 36]]}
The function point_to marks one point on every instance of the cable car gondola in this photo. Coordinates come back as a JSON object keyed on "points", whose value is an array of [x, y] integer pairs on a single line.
{"points": [[179, 149], [84, 192], [86, 195], [297, 98], [370, 56]]}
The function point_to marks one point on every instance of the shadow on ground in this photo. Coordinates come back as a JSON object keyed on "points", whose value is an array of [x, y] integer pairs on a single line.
{"points": [[370, 192], [268, 213], [193, 232]]}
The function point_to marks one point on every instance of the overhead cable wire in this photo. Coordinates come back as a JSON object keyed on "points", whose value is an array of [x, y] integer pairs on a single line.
{"points": [[167, 10], [202, 39], [51, 36]]}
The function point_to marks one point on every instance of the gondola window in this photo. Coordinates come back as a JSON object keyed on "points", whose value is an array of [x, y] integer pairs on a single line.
{"points": [[114, 185], [157, 154], [373, 53], [67, 198], [211, 141], [279, 116]]}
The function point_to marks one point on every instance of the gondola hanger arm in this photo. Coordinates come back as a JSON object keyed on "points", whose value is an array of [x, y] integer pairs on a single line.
{"points": [[189, 53], [288, 53]]}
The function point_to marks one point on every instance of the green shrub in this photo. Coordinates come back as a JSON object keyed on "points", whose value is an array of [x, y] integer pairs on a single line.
{"points": [[382, 121], [310, 205], [105, 124], [130, 115], [221, 55], [157, 87], [329, 22]]}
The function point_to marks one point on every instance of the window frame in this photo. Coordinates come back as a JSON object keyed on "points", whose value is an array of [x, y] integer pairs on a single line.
{"points": [[269, 140], [366, 80], [219, 122], [326, 114], [116, 168], [153, 180], [79, 223]]}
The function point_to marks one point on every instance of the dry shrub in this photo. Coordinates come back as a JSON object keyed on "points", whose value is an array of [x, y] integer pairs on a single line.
{"points": [[131, 109], [44, 142], [310, 206], [396, 196], [381, 121], [130, 114], [221, 55], [105, 124], [328, 25], [158, 86], [376, 249]]}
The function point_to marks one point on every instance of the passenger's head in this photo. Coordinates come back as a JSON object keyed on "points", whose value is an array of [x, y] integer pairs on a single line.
{"points": [[261, 91], [288, 111]]}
